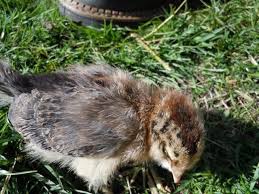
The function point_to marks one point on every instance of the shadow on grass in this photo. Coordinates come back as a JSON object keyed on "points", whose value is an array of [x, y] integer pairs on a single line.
{"points": [[231, 150], [232, 145]]}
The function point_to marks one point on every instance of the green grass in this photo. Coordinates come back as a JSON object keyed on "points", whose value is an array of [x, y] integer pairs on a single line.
{"points": [[213, 52]]}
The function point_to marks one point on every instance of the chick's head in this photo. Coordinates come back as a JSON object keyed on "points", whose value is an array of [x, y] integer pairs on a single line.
{"points": [[177, 134]]}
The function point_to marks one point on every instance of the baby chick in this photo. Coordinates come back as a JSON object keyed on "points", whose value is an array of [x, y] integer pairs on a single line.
{"points": [[97, 118]]}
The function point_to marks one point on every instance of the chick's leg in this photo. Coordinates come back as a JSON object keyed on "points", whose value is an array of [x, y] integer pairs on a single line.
{"points": [[107, 190]]}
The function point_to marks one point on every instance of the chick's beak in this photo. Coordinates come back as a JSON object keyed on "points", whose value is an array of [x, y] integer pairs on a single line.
{"points": [[177, 178], [177, 174]]}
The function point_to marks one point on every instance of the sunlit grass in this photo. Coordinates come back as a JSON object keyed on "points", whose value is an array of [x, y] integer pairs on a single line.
{"points": [[213, 53]]}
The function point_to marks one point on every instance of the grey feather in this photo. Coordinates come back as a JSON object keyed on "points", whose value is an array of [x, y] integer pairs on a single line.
{"points": [[74, 114], [5, 99]]}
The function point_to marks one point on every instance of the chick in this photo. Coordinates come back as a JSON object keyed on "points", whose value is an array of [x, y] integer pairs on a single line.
{"points": [[96, 118]]}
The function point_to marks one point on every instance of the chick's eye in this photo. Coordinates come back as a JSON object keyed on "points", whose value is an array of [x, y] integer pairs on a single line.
{"points": [[175, 162]]}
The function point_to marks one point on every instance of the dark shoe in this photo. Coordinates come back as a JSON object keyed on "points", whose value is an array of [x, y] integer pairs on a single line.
{"points": [[121, 12]]}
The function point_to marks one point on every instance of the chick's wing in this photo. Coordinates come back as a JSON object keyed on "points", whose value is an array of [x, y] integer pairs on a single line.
{"points": [[74, 124], [78, 122]]}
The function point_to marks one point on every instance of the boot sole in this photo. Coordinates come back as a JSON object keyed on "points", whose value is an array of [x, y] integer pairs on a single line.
{"points": [[89, 15]]}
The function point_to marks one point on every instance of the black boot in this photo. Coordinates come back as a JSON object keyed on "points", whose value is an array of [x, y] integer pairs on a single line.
{"points": [[121, 12]]}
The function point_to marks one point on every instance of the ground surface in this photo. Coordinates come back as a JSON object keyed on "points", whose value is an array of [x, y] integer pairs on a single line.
{"points": [[212, 52]]}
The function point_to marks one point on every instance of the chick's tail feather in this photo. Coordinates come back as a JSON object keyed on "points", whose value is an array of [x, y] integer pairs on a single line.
{"points": [[11, 83]]}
